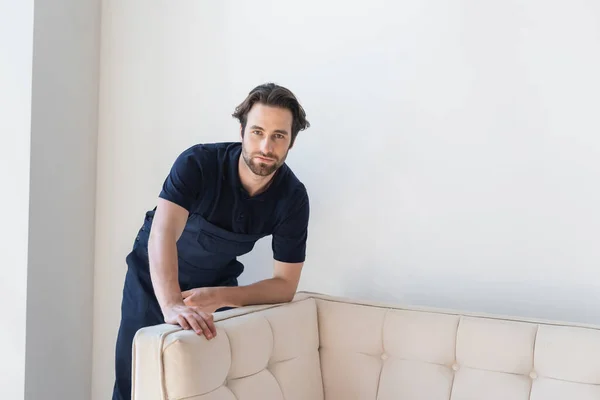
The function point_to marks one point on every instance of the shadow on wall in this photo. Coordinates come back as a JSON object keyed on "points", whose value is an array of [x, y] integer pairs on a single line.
{"points": [[575, 303]]}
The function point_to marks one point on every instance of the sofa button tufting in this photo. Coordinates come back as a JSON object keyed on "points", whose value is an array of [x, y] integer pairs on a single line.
{"points": [[533, 375], [384, 356], [455, 367]]}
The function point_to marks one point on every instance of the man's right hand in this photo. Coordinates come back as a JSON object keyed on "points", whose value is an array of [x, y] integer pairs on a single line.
{"points": [[190, 318]]}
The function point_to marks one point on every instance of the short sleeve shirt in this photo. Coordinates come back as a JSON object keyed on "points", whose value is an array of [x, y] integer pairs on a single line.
{"points": [[204, 179]]}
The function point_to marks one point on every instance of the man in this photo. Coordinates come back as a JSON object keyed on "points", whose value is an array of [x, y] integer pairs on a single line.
{"points": [[216, 202]]}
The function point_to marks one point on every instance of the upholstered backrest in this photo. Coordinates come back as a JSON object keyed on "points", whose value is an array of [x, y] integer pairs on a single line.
{"points": [[323, 348], [268, 354], [370, 352]]}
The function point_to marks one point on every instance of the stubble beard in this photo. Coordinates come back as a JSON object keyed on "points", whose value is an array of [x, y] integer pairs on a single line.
{"points": [[259, 168]]}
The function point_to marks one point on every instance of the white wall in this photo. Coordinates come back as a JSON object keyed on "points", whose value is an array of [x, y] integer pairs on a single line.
{"points": [[16, 45], [48, 123], [453, 159]]}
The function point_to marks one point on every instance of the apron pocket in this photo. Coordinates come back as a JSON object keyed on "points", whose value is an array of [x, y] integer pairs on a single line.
{"points": [[217, 245]]}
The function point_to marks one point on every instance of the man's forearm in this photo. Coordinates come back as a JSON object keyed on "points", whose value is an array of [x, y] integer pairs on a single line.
{"points": [[268, 291], [162, 252]]}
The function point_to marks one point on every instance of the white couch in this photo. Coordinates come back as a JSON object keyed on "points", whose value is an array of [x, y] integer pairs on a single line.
{"points": [[321, 347]]}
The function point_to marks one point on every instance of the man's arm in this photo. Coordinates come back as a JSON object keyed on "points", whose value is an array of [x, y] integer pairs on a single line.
{"points": [[167, 227], [278, 289]]}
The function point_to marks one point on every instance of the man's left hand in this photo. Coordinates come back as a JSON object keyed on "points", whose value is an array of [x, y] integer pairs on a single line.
{"points": [[205, 299]]}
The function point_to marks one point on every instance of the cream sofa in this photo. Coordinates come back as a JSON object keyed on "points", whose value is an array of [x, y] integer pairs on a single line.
{"points": [[321, 347]]}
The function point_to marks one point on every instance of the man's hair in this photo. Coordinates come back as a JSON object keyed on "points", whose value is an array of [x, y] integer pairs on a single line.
{"points": [[274, 95]]}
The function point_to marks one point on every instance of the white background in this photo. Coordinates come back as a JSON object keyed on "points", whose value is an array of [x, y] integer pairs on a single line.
{"points": [[453, 158], [16, 45]]}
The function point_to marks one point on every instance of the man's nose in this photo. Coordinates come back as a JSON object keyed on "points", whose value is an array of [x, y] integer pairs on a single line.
{"points": [[266, 146]]}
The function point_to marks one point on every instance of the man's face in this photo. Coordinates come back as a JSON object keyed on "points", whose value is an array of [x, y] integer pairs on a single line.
{"points": [[267, 137]]}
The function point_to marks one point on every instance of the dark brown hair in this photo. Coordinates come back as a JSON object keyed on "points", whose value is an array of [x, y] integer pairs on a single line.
{"points": [[274, 95]]}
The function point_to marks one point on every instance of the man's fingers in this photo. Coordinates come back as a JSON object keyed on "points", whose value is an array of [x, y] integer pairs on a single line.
{"points": [[202, 322], [182, 322], [191, 319], [210, 322], [212, 327], [185, 293]]}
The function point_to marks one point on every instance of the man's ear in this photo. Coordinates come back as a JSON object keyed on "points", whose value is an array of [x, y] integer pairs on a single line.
{"points": [[241, 131]]}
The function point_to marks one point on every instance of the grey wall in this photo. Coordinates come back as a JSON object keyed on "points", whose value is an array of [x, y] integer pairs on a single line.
{"points": [[62, 205]]}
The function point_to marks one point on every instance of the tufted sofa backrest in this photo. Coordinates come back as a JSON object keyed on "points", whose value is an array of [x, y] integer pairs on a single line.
{"points": [[334, 349], [370, 352]]}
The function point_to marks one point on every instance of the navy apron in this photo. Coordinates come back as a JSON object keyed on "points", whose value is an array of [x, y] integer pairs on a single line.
{"points": [[207, 256]]}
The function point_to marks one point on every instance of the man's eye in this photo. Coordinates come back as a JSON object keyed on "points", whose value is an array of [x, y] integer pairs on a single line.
{"points": [[279, 136], [257, 132]]}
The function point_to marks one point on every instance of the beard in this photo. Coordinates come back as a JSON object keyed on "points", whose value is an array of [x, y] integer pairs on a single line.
{"points": [[260, 168]]}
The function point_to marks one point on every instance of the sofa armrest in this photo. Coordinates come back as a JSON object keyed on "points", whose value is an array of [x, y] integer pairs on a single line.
{"points": [[256, 353], [147, 354]]}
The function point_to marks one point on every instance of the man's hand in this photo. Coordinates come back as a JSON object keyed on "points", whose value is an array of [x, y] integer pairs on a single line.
{"points": [[206, 299], [191, 318]]}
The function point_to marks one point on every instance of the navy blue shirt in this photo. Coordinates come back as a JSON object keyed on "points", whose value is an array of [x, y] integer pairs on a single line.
{"points": [[205, 180]]}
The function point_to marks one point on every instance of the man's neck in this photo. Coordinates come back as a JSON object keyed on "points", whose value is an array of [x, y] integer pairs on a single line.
{"points": [[254, 184]]}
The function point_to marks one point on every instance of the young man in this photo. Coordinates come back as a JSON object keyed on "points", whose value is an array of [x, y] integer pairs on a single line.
{"points": [[216, 202]]}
